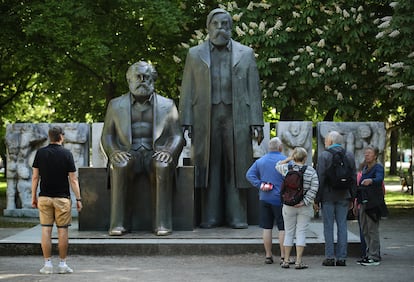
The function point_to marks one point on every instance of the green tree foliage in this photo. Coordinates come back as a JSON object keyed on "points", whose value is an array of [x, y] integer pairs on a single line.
{"points": [[396, 52]]}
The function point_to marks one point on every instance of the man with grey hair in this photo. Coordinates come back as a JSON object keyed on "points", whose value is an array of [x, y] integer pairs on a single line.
{"points": [[142, 137], [221, 108], [267, 180], [335, 202]]}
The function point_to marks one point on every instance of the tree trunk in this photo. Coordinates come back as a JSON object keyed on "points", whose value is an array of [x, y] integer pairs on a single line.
{"points": [[394, 151]]}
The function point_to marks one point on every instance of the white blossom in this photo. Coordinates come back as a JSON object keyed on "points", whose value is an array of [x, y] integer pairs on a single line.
{"points": [[245, 27], [346, 14], [397, 85], [334, 69], [386, 19], [342, 67], [385, 25], [301, 50], [359, 18], [295, 14], [269, 32], [289, 29], [379, 35], [385, 68], [338, 49], [262, 26], [321, 70], [264, 6], [397, 65], [339, 96], [309, 49], [319, 60], [297, 69], [353, 10], [314, 74], [251, 31], [360, 9], [237, 17], [311, 66], [185, 45], [329, 62], [176, 59], [240, 32], [376, 21], [278, 24], [354, 87], [250, 6], [394, 33], [274, 60], [338, 10], [275, 94], [292, 72], [253, 25], [328, 88], [411, 87], [393, 4], [319, 31], [281, 88], [295, 58], [321, 43], [291, 64], [313, 102], [309, 21], [411, 55], [346, 28]]}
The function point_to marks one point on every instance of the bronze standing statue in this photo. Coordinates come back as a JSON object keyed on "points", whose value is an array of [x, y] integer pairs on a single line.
{"points": [[221, 107], [142, 137]]}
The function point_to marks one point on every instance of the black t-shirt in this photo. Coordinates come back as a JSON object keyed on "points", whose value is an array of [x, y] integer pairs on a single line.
{"points": [[54, 163]]}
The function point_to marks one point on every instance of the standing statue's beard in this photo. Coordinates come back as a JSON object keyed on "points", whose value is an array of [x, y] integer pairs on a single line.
{"points": [[220, 37]]}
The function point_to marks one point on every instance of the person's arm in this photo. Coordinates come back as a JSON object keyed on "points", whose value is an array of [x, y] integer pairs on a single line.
{"points": [[35, 183], [252, 176], [74, 184]]}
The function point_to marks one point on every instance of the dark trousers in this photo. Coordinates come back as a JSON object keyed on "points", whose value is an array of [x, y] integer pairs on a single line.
{"points": [[160, 177], [222, 201]]}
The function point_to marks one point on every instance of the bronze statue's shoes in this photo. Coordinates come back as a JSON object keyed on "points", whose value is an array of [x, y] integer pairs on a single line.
{"points": [[239, 225], [162, 232], [117, 231]]}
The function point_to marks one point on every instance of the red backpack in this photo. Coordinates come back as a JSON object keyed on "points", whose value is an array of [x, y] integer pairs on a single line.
{"points": [[292, 186]]}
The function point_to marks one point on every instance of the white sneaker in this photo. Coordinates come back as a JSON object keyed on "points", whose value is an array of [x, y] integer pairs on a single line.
{"points": [[46, 270], [64, 269]]}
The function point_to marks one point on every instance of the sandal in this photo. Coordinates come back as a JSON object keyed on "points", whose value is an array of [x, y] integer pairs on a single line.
{"points": [[269, 260], [301, 265], [284, 264]]}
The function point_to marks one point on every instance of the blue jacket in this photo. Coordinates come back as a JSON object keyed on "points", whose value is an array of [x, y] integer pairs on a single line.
{"points": [[262, 171]]}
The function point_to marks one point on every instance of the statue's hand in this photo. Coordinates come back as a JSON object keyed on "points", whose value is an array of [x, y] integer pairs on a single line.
{"points": [[189, 128], [119, 158], [162, 156], [257, 133]]}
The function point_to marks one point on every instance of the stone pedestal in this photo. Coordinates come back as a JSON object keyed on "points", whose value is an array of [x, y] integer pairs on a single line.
{"points": [[96, 199]]}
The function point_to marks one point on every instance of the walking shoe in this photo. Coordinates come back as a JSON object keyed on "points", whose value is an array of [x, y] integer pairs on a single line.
{"points": [[285, 264], [64, 269], [300, 265], [368, 262], [46, 270], [340, 262], [328, 262], [269, 260], [361, 260]]}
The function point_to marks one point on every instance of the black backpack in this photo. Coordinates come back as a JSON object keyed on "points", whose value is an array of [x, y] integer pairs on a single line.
{"points": [[292, 186], [339, 174]]}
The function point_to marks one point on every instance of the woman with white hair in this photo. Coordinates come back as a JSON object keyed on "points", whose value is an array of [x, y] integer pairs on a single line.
{"points": [[297, 217]]}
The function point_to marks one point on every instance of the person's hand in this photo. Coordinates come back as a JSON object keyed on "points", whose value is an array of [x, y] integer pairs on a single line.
{"points": [[300, 204], [34, 202], [162, 156], [316, 207], [257, 133], [79, 205], [120, 158], [366, 182]]}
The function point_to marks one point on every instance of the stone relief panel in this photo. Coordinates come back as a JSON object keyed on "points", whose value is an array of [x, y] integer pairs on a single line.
{"points": [[357, 135], [296, 134], [22, 142]]}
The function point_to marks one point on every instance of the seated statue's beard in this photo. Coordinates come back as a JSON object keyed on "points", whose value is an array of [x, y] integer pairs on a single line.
{"points": [[220, 37]]}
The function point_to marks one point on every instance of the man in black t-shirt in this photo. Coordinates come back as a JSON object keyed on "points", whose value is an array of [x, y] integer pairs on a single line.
{"points": [[52, 166]]}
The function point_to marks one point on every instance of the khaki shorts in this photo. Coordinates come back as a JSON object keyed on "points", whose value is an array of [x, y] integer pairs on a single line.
{"points": [[55, 210]]}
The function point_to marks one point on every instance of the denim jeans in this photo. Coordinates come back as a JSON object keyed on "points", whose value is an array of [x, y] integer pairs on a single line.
{"points": [[335, 212]]}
